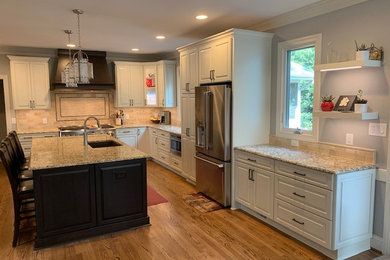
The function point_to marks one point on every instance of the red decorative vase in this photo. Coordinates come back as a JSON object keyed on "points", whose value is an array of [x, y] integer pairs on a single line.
{"points": [[327, 106]]}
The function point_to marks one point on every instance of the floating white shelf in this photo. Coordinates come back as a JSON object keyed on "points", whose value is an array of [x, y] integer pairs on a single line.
{"points": [[347, 65], [351, 115]]}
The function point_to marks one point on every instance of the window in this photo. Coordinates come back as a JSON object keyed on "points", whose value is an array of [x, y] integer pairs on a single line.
{"points": [[298, 87]]}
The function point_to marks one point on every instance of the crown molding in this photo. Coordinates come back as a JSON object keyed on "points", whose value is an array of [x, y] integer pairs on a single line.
{"points": [[303, 13]]}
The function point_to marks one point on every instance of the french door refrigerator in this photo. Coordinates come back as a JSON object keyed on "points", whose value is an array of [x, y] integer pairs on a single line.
{"points": [[213, 153]]}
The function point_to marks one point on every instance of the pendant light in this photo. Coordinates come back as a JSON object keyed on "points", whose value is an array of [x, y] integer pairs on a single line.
{"points": [[78, 70]]}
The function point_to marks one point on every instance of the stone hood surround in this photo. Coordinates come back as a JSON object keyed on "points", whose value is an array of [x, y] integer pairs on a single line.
{"points": [[316, 161]]}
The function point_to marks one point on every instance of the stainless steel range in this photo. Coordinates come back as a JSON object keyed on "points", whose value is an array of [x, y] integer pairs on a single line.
{"points": [[74, 130]]}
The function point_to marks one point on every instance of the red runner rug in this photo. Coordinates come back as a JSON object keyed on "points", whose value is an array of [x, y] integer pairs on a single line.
{"points": [[154, 197]]}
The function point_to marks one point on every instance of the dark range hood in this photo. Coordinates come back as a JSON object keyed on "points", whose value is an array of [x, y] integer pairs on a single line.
{"points": [[102, 78]]}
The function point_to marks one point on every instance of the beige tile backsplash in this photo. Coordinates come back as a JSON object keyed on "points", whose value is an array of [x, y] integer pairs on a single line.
{"points": [[31, 120]]}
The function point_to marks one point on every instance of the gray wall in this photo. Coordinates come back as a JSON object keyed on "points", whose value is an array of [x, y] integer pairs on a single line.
{"points": [[367, 22]]}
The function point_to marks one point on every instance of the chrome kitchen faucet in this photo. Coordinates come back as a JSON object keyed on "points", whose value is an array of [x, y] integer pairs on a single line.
{"points": [[85, 128]]}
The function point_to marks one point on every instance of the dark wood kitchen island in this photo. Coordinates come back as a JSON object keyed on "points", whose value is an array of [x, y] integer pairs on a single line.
{"points": [[81, 191]]}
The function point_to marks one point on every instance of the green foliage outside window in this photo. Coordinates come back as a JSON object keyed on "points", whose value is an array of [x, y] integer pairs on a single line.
{"points": [[306, 58]]}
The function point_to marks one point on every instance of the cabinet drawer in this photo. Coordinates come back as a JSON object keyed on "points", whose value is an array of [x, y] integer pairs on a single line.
{"points": [[317, 178], [154, 131], [163, 134], [29, 137], [303, 222], [164, 144], [306, 196], [126, 131], [163, 157], [255, 160], [176, 162]]}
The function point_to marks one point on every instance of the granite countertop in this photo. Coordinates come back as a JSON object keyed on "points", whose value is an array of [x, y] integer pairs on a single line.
{"points": [[312, 160], [54, 152], [167, 128]]}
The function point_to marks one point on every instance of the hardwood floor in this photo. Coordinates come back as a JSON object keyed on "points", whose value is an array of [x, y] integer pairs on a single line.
{"points": [[177, 231]]}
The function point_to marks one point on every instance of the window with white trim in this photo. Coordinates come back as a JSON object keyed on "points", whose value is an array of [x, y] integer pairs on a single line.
{"points": [[298, 87]]}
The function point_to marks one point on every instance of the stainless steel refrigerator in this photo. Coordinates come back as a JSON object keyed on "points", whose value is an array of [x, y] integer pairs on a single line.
{"points": [[213, 153]]}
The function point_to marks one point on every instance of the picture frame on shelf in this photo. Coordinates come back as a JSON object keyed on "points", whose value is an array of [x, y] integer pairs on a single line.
{"points": [[345, 103]]}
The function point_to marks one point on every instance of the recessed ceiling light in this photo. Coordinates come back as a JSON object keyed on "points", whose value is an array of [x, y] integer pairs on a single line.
{"points": [[160, 37], [71, 45], [201, 17], [135, 49]]}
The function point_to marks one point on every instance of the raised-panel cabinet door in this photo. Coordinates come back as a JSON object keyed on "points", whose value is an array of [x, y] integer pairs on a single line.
{"points": [[143, 140], [192, 160], [40, 87], [221, 62], [191, 115], [121, 191], [243, 185], [184, 71], [161, 85], [184, 115], [193, 70], [205, 56], [169, 92], [137, 85], [130, 140], [21, 82], [122, 85], [263, 192], [186, 154]]}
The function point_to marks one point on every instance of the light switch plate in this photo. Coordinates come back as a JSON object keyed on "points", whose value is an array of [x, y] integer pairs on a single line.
{"points": [[126, 116], [349, 139], [13, 120], [377, 129], [44, 121]]}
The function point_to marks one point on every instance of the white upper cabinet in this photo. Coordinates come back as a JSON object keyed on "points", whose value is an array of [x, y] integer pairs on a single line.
{"points": [[166, 83], [189, 70], [215, 62], [145, 84], [30, 82], [129, 84]]}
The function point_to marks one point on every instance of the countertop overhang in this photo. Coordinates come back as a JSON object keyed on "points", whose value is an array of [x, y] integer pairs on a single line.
{"points": [[316, 161], [56, 152]]}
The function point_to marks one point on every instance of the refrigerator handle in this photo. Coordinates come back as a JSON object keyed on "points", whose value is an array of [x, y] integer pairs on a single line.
{"points": [[206, 118], [210, 162]]}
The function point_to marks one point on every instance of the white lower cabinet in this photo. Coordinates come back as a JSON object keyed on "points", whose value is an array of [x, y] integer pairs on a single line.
{"points": [[330, 212], [254, 188], [188, 158], [135, 137]]}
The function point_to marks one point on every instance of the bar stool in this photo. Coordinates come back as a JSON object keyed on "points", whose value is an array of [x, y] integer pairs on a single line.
{"points": [[22, 194], [21, 173], [19, 148]]}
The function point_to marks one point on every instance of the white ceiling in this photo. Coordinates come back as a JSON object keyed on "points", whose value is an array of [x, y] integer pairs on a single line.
{"points": [[119, 25]]}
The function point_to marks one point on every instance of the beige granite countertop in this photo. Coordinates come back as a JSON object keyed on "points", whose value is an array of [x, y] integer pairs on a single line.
{"points": [[312, 160], [167, 128], [54, 152]]}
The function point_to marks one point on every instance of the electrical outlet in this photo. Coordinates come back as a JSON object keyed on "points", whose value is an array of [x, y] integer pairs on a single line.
{"points": [[349, 139], [377, 129], [44, 121], [127, 116], [294, 143]]}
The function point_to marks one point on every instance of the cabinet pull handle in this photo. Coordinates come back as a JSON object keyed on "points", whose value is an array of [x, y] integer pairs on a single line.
{"points": [[213, 74], [299, 195], [300, 174], [187, 86], [252, 179], [187, 131], [163, 157], [163, 102], [251, 160], [299, 222], [249, 174], [30, 103], [120, 175], [162, 144]]}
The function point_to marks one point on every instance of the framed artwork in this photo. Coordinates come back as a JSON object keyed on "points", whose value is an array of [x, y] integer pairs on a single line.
{"points": [[345, 103]]}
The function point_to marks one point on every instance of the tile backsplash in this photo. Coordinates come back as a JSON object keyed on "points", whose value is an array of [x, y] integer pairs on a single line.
{"points": [[30, 120]]}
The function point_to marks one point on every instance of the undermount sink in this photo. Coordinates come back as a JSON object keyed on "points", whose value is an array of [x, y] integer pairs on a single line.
{"points": [[103, 144]]}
